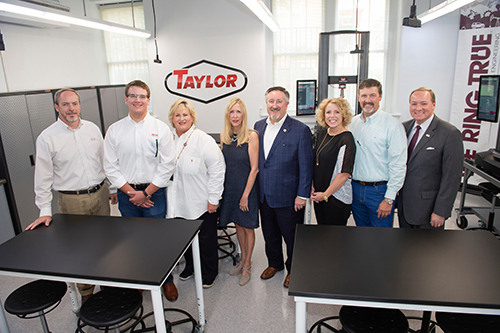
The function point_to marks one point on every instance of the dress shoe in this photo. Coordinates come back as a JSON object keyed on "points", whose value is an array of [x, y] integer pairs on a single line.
{"points": [[170, 291], [269, 272], [287, 281], [86, 297]]}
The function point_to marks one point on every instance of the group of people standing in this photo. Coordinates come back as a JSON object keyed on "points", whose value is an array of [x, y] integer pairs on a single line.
{"points": [[356, 163]]}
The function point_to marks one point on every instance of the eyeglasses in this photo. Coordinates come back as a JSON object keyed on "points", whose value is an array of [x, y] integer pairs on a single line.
{"points": [[134, 96]]}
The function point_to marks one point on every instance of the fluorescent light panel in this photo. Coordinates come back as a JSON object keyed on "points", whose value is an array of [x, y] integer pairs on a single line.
{"points": [[71, 19], [259, 8], [443, 8]]}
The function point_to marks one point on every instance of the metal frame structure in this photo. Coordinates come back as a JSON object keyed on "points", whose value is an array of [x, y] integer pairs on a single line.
{"points": [[324, 77]]}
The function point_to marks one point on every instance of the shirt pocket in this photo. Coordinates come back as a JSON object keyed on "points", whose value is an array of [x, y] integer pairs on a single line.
{"points": [[191, 165]]}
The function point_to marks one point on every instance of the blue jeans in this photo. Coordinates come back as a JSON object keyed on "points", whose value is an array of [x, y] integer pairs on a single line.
{"points": [[159, 210], [365, 202]]}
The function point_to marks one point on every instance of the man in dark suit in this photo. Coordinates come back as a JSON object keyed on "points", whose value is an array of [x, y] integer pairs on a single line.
{"points": [[434, 167], [285, 175]]}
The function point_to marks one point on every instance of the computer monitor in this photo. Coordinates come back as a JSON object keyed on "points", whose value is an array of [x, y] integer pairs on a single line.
{"points": [[306, 97], [488, 103]]}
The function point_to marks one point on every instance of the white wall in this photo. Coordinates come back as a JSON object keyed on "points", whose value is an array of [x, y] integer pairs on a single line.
{"points": [[427, 58], [37, 58], [221, 31]]}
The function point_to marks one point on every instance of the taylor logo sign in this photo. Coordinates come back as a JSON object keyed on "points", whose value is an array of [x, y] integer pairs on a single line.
{"points": [[206, 81]]}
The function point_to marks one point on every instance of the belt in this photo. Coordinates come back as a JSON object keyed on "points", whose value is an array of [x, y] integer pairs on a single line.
{"points": [[370, 183], [139, 187], [86, 191]]}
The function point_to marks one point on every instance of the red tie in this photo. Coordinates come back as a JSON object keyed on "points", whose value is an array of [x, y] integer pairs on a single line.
{"points": [[413, 142]]}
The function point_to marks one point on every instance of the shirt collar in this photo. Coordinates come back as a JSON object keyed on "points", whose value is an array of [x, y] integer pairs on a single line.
{"points": [[280, 123], [423, 125], [143, 120], [69, 127]]}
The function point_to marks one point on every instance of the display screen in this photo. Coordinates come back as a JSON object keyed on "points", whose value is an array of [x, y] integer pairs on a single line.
{"points": [[306, 97], [487, 106]]}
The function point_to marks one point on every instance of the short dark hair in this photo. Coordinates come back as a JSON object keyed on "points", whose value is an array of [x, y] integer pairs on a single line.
{"points": [[429, 90], [137, 83], [368, 83], [278, 88], [58, 93]]}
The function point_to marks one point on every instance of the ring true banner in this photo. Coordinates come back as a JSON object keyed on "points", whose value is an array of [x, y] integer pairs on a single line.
{"points": [[478, 54]]}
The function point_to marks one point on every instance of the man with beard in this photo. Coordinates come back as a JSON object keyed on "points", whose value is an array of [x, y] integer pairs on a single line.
{"points": [[69, 159], [380, 164], [285, 176]]}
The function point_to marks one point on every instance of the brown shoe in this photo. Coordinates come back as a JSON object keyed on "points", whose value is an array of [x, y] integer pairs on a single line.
{"points": [[269, 272], [86, 297], [287, 281], [170, 291]]}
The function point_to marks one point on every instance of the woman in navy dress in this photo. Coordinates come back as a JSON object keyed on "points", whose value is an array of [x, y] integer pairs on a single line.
{"points": [[240, 147], [333, 163]]}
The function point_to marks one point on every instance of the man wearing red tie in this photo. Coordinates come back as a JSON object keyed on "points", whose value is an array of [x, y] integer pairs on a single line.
{"points": [[434, 167]]}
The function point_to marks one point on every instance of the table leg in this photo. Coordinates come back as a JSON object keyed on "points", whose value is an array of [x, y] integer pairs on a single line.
{"points": [[198, 283], [73, 295], [300, 317], [4, 328], [159, 313], [426, 320]]}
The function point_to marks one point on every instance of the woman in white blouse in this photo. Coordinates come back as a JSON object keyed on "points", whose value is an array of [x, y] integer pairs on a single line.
{"points": [[197, 186]]}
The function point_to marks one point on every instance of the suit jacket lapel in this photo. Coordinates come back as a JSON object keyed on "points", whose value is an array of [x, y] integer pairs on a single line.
{"points": [[425, 138], [285, 128]]}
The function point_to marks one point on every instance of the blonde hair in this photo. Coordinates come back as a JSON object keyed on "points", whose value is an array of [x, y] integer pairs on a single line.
{"points": [[175, 105], [244, 132], [344, 108]]}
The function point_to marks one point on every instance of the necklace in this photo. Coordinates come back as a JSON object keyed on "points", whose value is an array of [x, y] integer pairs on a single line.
{"points": [[184, 146], [321, 147], [234, 137]]}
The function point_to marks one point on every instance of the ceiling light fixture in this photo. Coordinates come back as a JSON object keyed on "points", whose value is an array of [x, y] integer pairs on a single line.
{"points": [[443, 8], [259, 8], [36, 12]]}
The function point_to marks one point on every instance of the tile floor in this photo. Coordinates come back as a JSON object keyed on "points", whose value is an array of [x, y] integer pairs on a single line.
{"points": [[260, 306]]}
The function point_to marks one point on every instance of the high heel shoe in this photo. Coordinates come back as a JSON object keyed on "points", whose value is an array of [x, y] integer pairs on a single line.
{"points": [[245, 278], [236, 270]]}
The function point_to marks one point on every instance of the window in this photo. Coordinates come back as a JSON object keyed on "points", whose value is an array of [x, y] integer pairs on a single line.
{"points": [[296, 44], [126, 55]]}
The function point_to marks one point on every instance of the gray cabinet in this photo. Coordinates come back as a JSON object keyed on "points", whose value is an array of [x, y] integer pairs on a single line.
{"points": [[22, 119]]}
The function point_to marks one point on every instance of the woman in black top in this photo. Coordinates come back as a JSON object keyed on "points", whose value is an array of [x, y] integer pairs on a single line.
{"points": [[333, 163]]}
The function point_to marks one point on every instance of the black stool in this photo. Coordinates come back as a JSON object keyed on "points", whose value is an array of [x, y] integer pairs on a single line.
{"points": [[467, 323], [226, 244], [362, 319], [36, 298], [177, 317], [111, 309]]}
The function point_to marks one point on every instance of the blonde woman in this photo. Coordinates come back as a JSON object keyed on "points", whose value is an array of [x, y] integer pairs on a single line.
{"points": [[240, 203], [333, 163], [197, 186]]}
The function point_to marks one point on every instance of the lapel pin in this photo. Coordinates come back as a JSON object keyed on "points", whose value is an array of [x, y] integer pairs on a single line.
{"points": [[284, 130], [428, 135]]}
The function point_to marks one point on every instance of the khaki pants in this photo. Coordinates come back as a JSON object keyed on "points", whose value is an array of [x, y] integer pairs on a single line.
{"points": [[96, 203]]}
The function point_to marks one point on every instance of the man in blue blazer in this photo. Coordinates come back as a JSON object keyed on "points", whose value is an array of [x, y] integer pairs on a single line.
{"points": [[434, 167], [285, 176]]}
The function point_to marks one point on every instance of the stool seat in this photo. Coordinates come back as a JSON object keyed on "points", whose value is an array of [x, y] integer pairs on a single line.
{"points": [[34, 297], [110, 307], [467, 323], [362, 319]]}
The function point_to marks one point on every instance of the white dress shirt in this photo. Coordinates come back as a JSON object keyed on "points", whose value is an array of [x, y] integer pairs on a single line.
{"points": [[423, 128], [198, 177], [139, 152], [270, 134], [67, 160]]}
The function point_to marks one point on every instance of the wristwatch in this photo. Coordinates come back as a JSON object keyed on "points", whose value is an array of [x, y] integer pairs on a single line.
{"points": [[146, 195], [389, 201]]}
